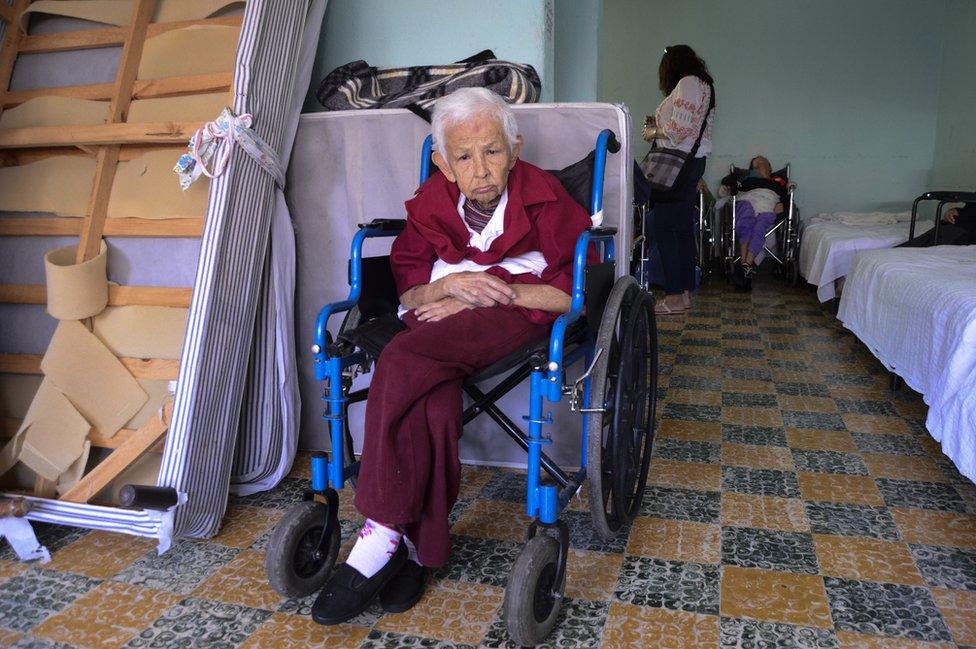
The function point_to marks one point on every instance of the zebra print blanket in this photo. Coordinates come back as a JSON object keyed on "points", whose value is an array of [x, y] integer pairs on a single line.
{"points": [[359, 85]]}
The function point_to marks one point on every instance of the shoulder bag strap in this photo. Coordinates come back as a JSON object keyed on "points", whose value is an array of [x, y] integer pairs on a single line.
{"points": [[704, 124]]}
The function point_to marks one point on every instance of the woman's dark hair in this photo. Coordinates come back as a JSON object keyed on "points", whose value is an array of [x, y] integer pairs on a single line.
{"points": [[680, 61]]}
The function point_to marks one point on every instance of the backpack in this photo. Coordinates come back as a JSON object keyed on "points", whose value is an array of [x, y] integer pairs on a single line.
{"points": [[359, 85]]}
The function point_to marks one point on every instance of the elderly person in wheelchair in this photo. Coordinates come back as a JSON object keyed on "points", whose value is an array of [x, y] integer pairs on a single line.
{"points": [[483, 267], [762, 197]]}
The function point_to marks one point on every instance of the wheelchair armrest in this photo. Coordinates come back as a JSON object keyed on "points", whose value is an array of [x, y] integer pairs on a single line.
{"points": [[384, 227], [950, 196], [557, 338], [601, 232], [321, 338]]}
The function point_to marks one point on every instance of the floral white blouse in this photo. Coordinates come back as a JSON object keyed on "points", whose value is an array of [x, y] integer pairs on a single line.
{"points": [[680, 116]]}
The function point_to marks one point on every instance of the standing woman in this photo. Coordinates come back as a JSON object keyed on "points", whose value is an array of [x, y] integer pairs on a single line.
{"points": [[678, 122]]}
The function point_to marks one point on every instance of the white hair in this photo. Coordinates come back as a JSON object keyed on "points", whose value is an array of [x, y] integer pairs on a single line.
{"points": [[466, 103]]}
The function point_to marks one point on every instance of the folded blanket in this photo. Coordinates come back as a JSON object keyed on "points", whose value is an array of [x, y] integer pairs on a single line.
{"points": [[865, 218]]}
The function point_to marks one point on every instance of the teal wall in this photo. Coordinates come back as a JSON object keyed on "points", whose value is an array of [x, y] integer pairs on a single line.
{"points": [[577, 47], [393, 33], [955, 139], [846, 91]]}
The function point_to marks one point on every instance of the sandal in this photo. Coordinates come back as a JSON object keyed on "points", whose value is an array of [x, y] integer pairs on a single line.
{"points": [[662, 308]]}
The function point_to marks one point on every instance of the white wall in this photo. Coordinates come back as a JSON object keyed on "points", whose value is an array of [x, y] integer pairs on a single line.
{"points": [[393, 33]]}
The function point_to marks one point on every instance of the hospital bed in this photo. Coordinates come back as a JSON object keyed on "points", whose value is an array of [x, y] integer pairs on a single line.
{"points": [[915, 309], [831, 241]]}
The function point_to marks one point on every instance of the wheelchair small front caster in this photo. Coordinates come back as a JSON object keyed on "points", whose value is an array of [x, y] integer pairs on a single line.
{"points": [[303, 548], [533, 596]]}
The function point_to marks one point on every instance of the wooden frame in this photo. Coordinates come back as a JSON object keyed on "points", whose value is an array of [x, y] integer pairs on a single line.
{"points": [[108, 144]]}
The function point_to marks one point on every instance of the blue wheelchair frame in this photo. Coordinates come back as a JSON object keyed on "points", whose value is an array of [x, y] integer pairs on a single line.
{"points": [[543, 501]]}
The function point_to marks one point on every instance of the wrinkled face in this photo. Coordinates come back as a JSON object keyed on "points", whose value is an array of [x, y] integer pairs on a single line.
{"points": [[761, 166], [478, 159]]}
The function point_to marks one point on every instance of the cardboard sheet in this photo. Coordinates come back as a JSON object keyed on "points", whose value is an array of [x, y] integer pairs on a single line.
{"points": [[189, 108], [159, 392], [54, 111], [74, 472], [147, 188], [168, 11], [200, 49], [59, 184], [55, 434], [142, 331], [75, 291], [119, 12], [16, 394], [10, 452], [92, 378], [144, 471]]}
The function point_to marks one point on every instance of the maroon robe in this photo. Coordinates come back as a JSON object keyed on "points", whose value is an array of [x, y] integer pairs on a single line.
{"points": [[410, 471]]}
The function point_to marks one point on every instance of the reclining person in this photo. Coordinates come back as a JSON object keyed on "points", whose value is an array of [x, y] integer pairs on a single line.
{"points": [[958, 228], [760, 197], [483, 267]]}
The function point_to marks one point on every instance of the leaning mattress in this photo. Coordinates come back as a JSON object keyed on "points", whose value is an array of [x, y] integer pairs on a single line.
{"points": [[350, 167]]}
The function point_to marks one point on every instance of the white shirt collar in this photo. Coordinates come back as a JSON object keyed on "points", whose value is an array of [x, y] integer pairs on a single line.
{"points": [[494, 228]]}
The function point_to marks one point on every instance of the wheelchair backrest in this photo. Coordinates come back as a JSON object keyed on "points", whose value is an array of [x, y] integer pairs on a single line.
{"points": [[379, 294], [597, 283], [741, 173]]}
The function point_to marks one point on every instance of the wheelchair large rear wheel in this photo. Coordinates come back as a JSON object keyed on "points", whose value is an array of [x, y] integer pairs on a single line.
{"points": [[532, 599], [294, 567], [623, 392]]}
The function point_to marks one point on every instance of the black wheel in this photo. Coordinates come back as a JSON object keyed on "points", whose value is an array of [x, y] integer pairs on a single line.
{"points": [[532, 597], [294, 568], [792, 272], [624, 386]]}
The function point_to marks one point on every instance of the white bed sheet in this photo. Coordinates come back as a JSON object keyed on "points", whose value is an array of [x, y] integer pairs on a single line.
{"points": [[828, 249], [915, 309]]}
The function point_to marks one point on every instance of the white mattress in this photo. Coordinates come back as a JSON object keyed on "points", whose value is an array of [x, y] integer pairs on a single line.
{"points": [[915, 309], [828, 249]]}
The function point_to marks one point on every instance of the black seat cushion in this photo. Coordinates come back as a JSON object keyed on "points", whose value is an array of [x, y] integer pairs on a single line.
{"points": [[373, 335]]}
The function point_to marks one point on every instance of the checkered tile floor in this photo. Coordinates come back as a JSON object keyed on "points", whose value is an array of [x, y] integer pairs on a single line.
{"points": [[792, 503]]}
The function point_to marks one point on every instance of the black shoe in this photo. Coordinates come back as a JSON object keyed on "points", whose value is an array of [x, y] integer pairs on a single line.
{"points": [[348, 593], [405, 588]]}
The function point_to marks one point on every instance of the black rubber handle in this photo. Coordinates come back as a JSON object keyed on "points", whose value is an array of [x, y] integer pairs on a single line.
{"points": [[385, 225], [146, 497]]}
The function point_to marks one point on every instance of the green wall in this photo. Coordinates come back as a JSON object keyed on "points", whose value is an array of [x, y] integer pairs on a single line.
{"points": [[577, 48], [393, 33], [847, 91], [955, 139]]}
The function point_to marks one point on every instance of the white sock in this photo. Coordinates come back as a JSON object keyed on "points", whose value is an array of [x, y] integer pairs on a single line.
{"points": [[411, 551], [374, 547]]}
